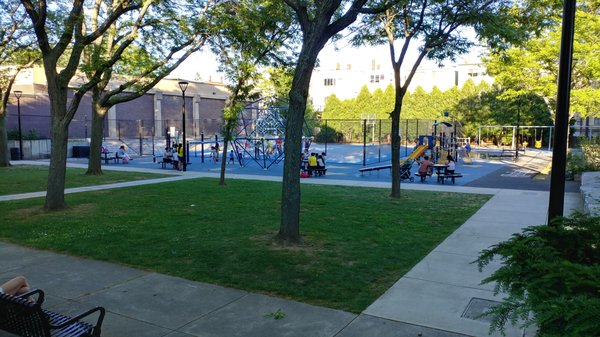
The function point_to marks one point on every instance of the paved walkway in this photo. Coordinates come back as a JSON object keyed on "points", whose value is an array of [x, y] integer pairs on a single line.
{"points": [[436, 298]]}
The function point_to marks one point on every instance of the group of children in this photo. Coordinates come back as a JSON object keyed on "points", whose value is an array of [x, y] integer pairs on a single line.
{"points": [[174, 155], [313, 162]]}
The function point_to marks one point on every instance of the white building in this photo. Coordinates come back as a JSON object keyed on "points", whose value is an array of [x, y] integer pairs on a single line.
{"points": [[345, 73]]}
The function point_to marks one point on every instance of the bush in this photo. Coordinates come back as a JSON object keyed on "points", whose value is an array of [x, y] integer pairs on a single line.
{"points": [[576, 164], [328, 134], [591, 154], [32, 134], [551, 275]]}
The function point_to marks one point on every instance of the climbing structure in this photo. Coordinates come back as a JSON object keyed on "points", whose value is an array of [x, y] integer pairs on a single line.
{"points": [[261, 132]]}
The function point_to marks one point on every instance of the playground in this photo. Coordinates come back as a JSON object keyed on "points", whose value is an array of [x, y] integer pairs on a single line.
{"points": [[344, 162]]}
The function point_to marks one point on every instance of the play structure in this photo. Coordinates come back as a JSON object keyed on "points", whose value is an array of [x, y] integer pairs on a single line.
{"points": [[260, 134], [405, 165]]}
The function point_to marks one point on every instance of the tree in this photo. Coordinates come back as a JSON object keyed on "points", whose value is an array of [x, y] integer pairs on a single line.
{"points": [[143, 50], [66, 41], [276, 81], [250, 34], [363, 104], [533, 67], [439, 27], [16, 54], [319, 21]]}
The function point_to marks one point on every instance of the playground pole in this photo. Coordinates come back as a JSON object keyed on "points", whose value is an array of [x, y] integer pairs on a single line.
{"points": [[326, 136], [202, 151], [364, 142], [559, 154]]}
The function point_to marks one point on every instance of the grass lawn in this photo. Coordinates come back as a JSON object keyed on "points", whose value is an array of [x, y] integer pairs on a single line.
{"points": [[24, 179], [358, 241]]}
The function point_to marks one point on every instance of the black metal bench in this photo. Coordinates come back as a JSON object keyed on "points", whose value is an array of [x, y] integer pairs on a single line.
{"points": [[22, 317], [317, 171], [164, 161], [443, 176]]}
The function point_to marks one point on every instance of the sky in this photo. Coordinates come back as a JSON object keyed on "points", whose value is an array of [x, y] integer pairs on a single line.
{"points": [[203, 65]]}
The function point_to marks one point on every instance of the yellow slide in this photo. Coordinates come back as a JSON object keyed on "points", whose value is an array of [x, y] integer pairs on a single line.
{"points": [[417, 152]]}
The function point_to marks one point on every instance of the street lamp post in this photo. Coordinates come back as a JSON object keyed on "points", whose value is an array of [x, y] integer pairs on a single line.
{"points": [[18, 94], [183, 86]]}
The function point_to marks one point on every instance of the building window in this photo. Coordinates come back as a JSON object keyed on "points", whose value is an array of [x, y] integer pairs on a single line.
{"points": [[373, 64], [372, 78], [348, 66], [337, 66], [329, 82]]}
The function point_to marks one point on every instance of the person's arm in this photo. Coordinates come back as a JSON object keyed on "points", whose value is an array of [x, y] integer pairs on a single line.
{"points": [[16, 286]]}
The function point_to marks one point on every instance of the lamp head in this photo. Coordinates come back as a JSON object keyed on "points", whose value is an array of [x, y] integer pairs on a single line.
{"points": [[18, 93], [183, 85]]}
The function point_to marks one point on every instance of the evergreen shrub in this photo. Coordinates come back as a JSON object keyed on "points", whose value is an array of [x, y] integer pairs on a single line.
{"points": [[551, 276]]}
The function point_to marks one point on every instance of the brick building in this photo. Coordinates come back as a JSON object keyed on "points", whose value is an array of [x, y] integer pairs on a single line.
{"points": [[157, 111]]}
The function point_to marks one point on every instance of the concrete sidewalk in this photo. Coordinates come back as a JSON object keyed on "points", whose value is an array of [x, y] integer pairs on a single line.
{"points": [[439, 297]]}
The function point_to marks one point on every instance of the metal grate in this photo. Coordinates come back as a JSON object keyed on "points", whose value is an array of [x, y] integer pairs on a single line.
{"points": [[478, 306]]}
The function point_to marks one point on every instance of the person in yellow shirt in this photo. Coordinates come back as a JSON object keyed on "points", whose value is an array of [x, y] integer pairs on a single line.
{"points": [[180, 156], [312, 161]]}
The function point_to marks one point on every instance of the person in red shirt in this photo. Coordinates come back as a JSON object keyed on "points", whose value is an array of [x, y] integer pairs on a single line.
{"points": [[425, 168]]}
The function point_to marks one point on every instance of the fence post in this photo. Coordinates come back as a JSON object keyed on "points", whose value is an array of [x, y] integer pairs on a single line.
{"points": [[202, 151], [380, 140], [140, 126], [364, 142], [326, 136]]}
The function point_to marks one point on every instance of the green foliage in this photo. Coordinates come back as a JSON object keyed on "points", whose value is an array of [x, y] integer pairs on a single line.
{"points": [[32, 134], [534, 67], [551, 272], [497, 106], [591, 154], [276, 82], [328, 134]]}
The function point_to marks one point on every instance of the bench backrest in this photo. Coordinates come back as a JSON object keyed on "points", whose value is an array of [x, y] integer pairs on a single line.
{"points": [[22, 317]]}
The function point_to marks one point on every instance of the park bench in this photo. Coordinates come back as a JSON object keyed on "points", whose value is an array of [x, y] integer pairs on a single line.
{"points": [[164, 161], [443, 176], [317, 171], [374, 168], [22, 317], [428, 174]]}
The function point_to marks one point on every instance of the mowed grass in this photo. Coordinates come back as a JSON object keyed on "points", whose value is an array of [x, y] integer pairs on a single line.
{"points": [[357, 241], [24, 179]]}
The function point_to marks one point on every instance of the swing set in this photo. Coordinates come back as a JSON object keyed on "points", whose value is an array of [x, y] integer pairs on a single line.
{"points": [[516, 140]]}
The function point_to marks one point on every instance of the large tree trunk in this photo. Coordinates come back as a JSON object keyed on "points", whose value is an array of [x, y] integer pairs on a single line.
{"points": [[55, 194], [4, 152], [396, 134], [226, 138], [95, 160], [289, 229]]}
